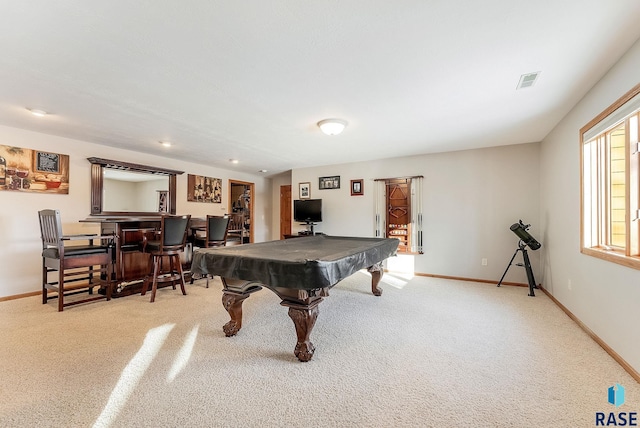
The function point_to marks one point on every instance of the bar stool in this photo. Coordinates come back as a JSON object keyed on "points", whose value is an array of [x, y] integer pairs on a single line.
{"points": [[216, 229], [173, 236]]}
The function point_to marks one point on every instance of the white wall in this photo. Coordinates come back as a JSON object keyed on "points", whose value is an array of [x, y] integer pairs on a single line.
{"points": [[20, 261], [603, 295], [470, 199]]}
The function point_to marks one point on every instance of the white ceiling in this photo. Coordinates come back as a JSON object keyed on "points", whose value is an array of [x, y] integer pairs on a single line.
{"points": [[249, 79]]}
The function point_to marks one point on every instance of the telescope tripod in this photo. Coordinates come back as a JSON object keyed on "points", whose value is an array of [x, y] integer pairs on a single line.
{"points": [[527, 266]]}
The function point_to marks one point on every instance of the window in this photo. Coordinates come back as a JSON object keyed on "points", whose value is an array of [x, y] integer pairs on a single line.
{"points": [[610, 177]]}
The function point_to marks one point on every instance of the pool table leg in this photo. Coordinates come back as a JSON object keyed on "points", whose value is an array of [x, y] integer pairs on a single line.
{"points": [[376, 272], [304, 318], [232, 302], [234, 293]]}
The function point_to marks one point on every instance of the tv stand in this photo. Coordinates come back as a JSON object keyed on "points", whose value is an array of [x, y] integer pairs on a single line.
{"points": [[303, 233], [309, 230]]}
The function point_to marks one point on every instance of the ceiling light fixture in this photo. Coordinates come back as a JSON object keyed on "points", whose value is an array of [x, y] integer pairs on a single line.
{"points": [[37, 112], [165, 143], [234, 160], [332, 126]]}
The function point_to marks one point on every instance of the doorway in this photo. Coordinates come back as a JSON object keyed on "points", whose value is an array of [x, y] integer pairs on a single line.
{"points": [[399, 211], [241, 205], [285, 211]]}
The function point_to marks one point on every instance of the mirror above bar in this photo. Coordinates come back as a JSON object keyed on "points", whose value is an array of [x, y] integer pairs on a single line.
{"points": [[128, 189]]}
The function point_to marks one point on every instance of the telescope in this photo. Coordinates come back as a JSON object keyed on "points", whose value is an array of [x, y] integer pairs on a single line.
{"points": [[526, 240], [520, 229]]}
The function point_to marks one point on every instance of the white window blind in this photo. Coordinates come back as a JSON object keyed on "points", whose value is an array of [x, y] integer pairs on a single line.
{"points": [[416, 215], [380, 223]]}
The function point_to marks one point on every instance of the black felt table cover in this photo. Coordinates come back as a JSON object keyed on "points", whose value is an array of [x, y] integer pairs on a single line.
{"points": [[305, 263]]}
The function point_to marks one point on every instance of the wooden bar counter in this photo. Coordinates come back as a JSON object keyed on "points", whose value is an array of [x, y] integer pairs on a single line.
{"points": [[131, 264]]}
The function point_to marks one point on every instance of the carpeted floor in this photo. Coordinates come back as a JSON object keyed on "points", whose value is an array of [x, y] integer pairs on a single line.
{"points": [[429, 353]]}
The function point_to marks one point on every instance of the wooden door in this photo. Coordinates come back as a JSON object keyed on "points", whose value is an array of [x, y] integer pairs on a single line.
{"points": [[285, 210], [399, 212], [241, 202]]}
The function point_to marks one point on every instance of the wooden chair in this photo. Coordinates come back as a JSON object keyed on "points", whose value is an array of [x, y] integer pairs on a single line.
{"points": [[216, 229], [89, 263], [173, 237], [236, 229]]}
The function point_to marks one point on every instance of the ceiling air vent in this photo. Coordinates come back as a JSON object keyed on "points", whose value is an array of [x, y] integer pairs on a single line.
{"points": [[528, 80]]}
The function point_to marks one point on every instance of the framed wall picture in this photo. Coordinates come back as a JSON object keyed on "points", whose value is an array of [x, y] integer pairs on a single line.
{"points": [[305, 190], [332, 182], [28, 170], [204, 189], [357, 187]]}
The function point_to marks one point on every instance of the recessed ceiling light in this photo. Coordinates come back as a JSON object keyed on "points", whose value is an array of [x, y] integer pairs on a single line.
{"points": [[37, 112], [234, 160], [165, 143], [263, 170]]}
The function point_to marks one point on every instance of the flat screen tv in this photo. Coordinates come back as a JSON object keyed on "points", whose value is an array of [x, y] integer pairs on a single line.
{"points": [[307, 210]]}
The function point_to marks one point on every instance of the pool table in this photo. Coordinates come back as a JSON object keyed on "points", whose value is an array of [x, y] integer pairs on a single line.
{"points": [[300, 271]]}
